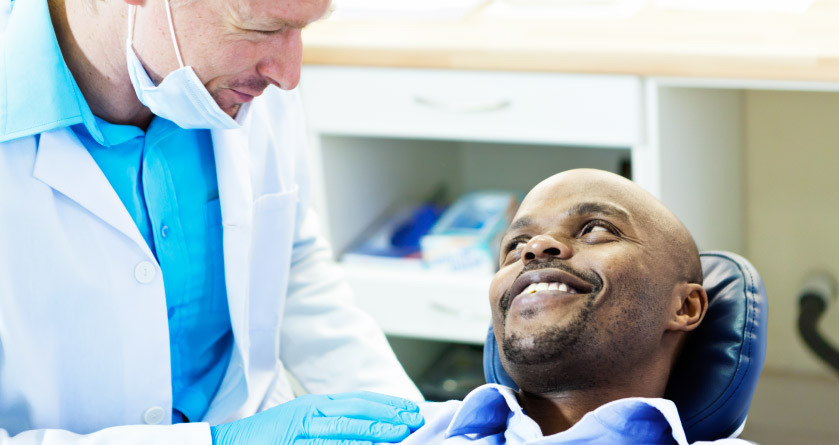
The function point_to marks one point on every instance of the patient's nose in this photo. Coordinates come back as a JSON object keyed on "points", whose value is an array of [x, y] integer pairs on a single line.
{"points": [[544, 247]]}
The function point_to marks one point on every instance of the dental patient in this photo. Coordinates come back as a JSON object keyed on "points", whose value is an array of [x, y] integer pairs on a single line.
{"points": [[598, 285]]}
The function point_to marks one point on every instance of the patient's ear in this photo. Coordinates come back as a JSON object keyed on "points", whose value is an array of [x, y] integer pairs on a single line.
{"points": [[690, 304]]}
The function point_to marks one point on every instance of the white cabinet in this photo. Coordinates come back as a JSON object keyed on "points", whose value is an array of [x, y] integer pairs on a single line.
{"points": [[383, 136]]}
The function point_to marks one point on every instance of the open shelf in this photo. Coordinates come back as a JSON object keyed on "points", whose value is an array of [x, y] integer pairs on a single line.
{"points": [[423, 304]]}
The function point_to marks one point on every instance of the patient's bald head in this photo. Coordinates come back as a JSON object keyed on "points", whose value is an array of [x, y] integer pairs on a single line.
{"points": [[670, 240], [597, 286]]}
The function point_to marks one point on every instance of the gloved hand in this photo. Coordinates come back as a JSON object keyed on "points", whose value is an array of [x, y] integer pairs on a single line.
{"points": [[351, 418]]}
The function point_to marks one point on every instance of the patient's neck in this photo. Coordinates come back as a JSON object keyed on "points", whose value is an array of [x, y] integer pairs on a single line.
{"points": [[555, 412]]}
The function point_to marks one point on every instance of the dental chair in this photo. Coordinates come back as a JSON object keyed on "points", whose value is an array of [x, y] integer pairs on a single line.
{"points": [[716, 374]]}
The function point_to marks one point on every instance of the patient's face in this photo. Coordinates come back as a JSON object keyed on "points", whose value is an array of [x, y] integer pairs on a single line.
{"points": [[579, 280]]}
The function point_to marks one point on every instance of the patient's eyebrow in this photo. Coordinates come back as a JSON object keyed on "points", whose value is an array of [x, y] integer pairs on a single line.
{"points": [[520, 223], [588, 208], [581, 209]]}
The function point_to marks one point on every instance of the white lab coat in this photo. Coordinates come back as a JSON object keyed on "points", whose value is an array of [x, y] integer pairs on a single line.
{"points": [[84, 342]]}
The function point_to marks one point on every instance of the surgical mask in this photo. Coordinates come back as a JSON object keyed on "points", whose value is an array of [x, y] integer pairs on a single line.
{"points": [[180, 97]]}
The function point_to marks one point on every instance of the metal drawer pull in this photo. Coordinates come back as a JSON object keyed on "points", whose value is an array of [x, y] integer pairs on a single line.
{"points": [[463, 314], [444, 308], [464, 106]]}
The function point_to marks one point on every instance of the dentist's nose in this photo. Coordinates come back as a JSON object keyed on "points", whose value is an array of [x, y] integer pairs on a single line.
{"points": [[283, 65], [545, 247]]}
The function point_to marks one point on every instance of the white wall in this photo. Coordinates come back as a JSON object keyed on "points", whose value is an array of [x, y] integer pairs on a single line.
{"points": [[792, 227], [792, 209]]}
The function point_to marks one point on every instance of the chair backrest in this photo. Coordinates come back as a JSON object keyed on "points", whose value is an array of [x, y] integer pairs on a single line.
{"points": [[713, 381]]}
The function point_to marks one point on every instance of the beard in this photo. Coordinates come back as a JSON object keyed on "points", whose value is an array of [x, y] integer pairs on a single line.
{"points": [[548, 361], [587, 351]]}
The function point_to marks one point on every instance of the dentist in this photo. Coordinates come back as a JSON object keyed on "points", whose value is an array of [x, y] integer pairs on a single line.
{"points": [[160, 268]]}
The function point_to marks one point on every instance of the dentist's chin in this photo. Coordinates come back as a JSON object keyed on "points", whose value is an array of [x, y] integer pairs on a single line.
{"points": [[230, 101]]}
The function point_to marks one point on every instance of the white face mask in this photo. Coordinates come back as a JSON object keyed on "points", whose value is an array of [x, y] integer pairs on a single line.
{"points": [[180, 97]]}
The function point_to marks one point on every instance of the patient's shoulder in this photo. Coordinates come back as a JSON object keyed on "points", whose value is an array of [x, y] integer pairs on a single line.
{"points": [[439, 409], [438, 416]]}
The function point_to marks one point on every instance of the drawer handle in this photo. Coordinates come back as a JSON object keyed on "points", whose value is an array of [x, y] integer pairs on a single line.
{"points": [[447, 309], [464, 106], [444, 308]]}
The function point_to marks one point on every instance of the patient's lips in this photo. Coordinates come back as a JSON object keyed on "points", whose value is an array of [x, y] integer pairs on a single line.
{"points": [[535, 287], [550, 280]]}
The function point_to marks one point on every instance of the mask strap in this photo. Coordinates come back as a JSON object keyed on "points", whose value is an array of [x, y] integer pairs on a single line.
{"points": [[172, 31], [129, 40], [132, 11]]}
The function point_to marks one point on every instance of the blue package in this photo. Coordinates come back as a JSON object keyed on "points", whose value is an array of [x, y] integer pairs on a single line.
{"points": [[465, 238]]}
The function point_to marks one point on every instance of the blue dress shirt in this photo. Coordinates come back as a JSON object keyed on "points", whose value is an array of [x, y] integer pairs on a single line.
{"points": [[165, 178], [491, 414]]}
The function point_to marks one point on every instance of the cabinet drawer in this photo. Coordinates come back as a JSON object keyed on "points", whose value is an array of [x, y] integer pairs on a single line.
{"points": [[563, 109]]}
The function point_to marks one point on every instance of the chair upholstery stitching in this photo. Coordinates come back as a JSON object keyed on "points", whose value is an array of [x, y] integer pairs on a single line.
{"points": [[750, 295]]}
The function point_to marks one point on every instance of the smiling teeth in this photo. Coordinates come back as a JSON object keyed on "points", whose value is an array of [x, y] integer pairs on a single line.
{"points": [[536, 287], [564, 288]]}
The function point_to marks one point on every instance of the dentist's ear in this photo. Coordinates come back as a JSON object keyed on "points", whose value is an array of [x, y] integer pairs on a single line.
{"points": [[690, 305]]}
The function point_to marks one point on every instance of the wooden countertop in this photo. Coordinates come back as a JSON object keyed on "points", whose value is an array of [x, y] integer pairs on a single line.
{"points": [[653, 42]]}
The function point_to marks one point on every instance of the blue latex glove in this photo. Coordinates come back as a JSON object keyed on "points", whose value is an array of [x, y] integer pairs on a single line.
{"points": [[352, 419]]}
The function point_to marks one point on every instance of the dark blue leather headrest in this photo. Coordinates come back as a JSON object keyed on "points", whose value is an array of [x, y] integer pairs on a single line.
{"points": [[714, 379]]}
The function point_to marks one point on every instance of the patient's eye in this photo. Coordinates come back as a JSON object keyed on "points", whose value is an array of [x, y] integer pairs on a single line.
{"points": [[597, 230], [515, 243], [513, 247], [596, 227]]}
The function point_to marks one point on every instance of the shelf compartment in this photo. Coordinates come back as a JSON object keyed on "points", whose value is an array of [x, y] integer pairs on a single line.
{"points": [[423, 304]]}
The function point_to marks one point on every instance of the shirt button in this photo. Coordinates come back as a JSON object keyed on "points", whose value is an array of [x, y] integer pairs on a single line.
{"points": [[144, 272], [164, 231], [153, 415]]}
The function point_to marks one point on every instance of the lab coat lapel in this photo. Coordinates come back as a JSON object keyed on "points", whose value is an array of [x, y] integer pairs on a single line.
{"points": [[232, 158], [236, 199], [64, 164]]}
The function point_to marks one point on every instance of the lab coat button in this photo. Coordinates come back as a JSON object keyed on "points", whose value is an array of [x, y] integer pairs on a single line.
{"points": [[144, 272], [153, 415]]}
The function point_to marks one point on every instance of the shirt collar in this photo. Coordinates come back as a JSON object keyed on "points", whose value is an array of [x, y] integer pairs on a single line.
{"points": [[639, 417], [37, 90], [492, 409], [486, 410]]}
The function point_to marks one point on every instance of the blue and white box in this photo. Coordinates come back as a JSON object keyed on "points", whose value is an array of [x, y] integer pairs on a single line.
{"points": [[466, 237]]}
